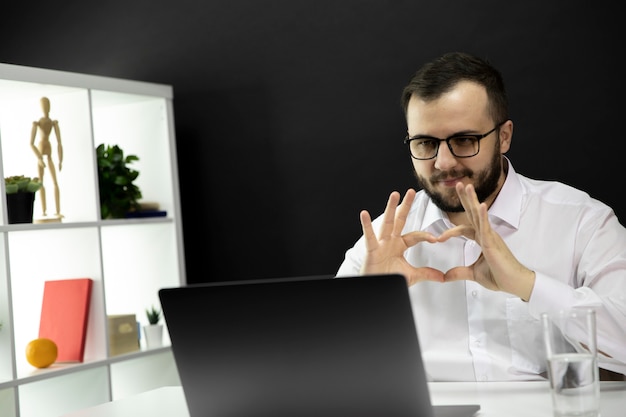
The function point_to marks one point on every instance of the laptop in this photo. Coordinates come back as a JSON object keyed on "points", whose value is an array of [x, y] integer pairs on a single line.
{"points": [[300, 347]]}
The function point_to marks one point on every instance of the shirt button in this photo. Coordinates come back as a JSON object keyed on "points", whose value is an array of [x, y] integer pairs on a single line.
{"points": [[483, 378], [474, 293]]}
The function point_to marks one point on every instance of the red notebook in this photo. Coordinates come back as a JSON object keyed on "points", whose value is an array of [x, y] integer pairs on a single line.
{"points": [[64, 314]]}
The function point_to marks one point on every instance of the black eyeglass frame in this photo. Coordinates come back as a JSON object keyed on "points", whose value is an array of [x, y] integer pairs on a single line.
{"points": [[478, 138]]}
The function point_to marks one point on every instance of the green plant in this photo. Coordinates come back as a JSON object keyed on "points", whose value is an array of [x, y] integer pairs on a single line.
{"points": [[118, 194], [21, 184], [153, 314]]}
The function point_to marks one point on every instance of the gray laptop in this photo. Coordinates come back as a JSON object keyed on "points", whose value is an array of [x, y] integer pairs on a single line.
{"points": [[300, 347]]}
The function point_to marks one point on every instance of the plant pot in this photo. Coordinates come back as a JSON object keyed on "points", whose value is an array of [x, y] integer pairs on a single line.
{"points": [[154, 335], [20, 207]]}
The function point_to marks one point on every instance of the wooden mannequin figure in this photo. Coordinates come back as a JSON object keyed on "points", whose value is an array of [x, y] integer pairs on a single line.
{"points": [[45, 126]]}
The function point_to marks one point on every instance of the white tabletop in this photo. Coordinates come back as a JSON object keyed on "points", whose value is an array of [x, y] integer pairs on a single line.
{"points": [[520, 399], [497, 399]]}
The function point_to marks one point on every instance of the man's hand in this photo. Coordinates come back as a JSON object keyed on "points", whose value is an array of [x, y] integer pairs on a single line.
{"points": [[385, 253], [496, 268]]}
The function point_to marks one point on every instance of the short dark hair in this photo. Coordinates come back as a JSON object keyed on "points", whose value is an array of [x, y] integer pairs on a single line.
{"points": [[441, 75]]}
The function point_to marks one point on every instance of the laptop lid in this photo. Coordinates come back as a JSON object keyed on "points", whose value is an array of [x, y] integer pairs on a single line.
{"points": [[307, 346]]}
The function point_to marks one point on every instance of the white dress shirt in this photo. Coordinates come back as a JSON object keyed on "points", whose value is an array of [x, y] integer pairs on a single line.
{"points": [[577, 248]]}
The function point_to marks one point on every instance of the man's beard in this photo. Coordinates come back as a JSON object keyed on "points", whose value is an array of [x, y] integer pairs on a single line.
{"points": [[485, 185]]}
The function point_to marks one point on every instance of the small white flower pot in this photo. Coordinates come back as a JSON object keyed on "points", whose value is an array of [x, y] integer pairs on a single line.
{"points": [[154, 335]]}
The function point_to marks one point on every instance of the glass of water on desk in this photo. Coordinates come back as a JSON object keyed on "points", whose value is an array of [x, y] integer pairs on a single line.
{"points": [[571, 351]]}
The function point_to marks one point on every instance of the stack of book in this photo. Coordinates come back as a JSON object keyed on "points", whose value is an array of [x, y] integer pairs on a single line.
{"points": [[147, 209]]}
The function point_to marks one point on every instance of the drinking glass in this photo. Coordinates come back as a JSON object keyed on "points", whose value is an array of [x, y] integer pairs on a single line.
{"points": [[571, 351]]}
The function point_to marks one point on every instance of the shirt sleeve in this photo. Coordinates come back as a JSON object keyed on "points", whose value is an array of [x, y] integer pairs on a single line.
{"points": [[600, 284]]}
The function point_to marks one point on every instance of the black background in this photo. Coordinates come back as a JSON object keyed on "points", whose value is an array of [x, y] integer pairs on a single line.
{"points": [[287, 112]]}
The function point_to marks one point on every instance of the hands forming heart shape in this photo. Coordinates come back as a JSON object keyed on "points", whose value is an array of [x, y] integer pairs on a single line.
{"points": [[495, 269]]}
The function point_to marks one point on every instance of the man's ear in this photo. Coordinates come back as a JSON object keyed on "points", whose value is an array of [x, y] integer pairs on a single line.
{"points": [[505, 136]]}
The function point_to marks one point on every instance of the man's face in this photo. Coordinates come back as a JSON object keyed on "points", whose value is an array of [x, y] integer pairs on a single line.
{"points": [[461, 110]]}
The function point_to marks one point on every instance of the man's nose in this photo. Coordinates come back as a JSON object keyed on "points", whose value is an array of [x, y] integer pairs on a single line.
{"points": [[444, 159]]}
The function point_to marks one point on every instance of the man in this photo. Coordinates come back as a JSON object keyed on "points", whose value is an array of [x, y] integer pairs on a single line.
{"points": [[484, 249]]}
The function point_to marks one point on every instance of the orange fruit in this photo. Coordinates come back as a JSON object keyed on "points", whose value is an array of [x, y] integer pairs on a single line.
{"points": [[41, 352]]}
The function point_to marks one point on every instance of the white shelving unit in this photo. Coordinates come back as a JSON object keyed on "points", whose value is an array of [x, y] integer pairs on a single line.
{"points": [[129, 260]]}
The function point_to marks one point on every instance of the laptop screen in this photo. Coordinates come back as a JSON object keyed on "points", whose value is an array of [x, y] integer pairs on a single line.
{"points": [[312, 346]]}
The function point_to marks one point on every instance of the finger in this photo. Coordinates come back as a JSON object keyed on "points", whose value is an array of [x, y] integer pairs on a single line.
{"points": [[463, 193], [462, 230], [371, 243], [459, 273], [483, 227], [389, 215], [473, 203], [424, 274], [476, 211], [403, 212], [413, 238], [469, 201], [483, 217]]}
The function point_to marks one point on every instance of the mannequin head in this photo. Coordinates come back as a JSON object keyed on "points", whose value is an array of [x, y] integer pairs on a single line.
{"points": [[45, 105]]}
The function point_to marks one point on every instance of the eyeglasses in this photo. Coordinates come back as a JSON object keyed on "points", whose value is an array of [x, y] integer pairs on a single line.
{"points": [[462, 146]]}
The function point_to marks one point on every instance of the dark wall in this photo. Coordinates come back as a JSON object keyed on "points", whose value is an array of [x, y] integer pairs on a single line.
{"points": [[287, 112]]}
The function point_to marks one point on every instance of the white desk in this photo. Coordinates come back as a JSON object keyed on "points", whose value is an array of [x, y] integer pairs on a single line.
{"points": [[520, 399], [497, 399]]}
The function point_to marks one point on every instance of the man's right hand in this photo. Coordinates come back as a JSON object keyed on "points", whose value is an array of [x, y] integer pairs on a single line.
{"points": [[385, 253]]}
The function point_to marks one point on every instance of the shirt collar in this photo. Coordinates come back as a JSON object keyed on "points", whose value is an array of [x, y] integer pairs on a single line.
{"points": [[432, 215], [508, 203], [505, 208]]}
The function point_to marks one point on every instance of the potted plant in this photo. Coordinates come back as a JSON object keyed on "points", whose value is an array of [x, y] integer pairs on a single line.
{"points": [[118, 194], [153, 332], [153, 315], [20, 194]]}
